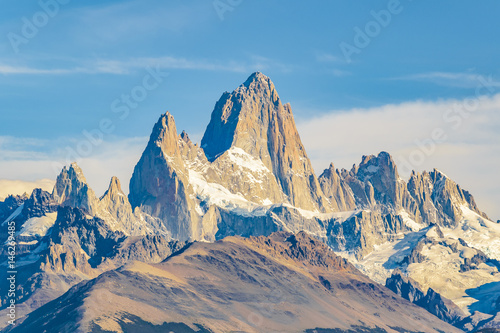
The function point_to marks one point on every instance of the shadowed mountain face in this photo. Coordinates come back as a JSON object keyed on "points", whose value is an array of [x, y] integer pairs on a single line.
{"points": [[439, 306], [285, 283]]}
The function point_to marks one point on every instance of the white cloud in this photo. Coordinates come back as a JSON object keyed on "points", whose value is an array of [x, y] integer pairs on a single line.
{"points": [[7, 69], [470, 155], [18, 187], [461, 80], [116, 157]]}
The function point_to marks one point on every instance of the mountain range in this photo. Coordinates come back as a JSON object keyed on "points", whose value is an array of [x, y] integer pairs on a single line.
{"points": [[209, 232]]}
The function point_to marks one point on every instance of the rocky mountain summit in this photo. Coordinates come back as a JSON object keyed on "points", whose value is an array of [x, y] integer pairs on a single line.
{"points": [[251, 177], [253, 119]]}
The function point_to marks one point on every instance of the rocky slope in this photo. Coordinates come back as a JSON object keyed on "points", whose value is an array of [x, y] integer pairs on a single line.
{"points": [[284, 282], [10, 205]]}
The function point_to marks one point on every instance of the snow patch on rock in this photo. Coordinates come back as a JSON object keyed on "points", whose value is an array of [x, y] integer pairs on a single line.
{"points": [[245, 160], [38, 226]]}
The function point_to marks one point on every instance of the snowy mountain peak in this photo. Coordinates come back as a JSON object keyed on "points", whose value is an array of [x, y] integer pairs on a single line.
{"points": [[164, 135], [242, 118], [114, 188], [330, 170], [185, 137], [75, 170], [439, 198], [71, 189], [439, 172], [260, 85], [375, 181], [257, 77], [116, 210], [253, 119], [382, 163], [336, 190]]}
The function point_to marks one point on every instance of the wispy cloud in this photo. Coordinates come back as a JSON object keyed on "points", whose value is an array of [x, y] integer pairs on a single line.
{"points": [[328, 60], [126, 66], [260, 63], [24, 70], [170, 62], [327, 57], [460, 80], [340, 73], [22, 149]]}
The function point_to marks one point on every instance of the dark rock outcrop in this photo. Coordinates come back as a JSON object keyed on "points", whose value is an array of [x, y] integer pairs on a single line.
{"points": [[39, 204], [433, 302]]}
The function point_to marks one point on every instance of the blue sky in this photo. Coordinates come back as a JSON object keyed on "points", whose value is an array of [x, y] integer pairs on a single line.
{"points": [[63, 78]]}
